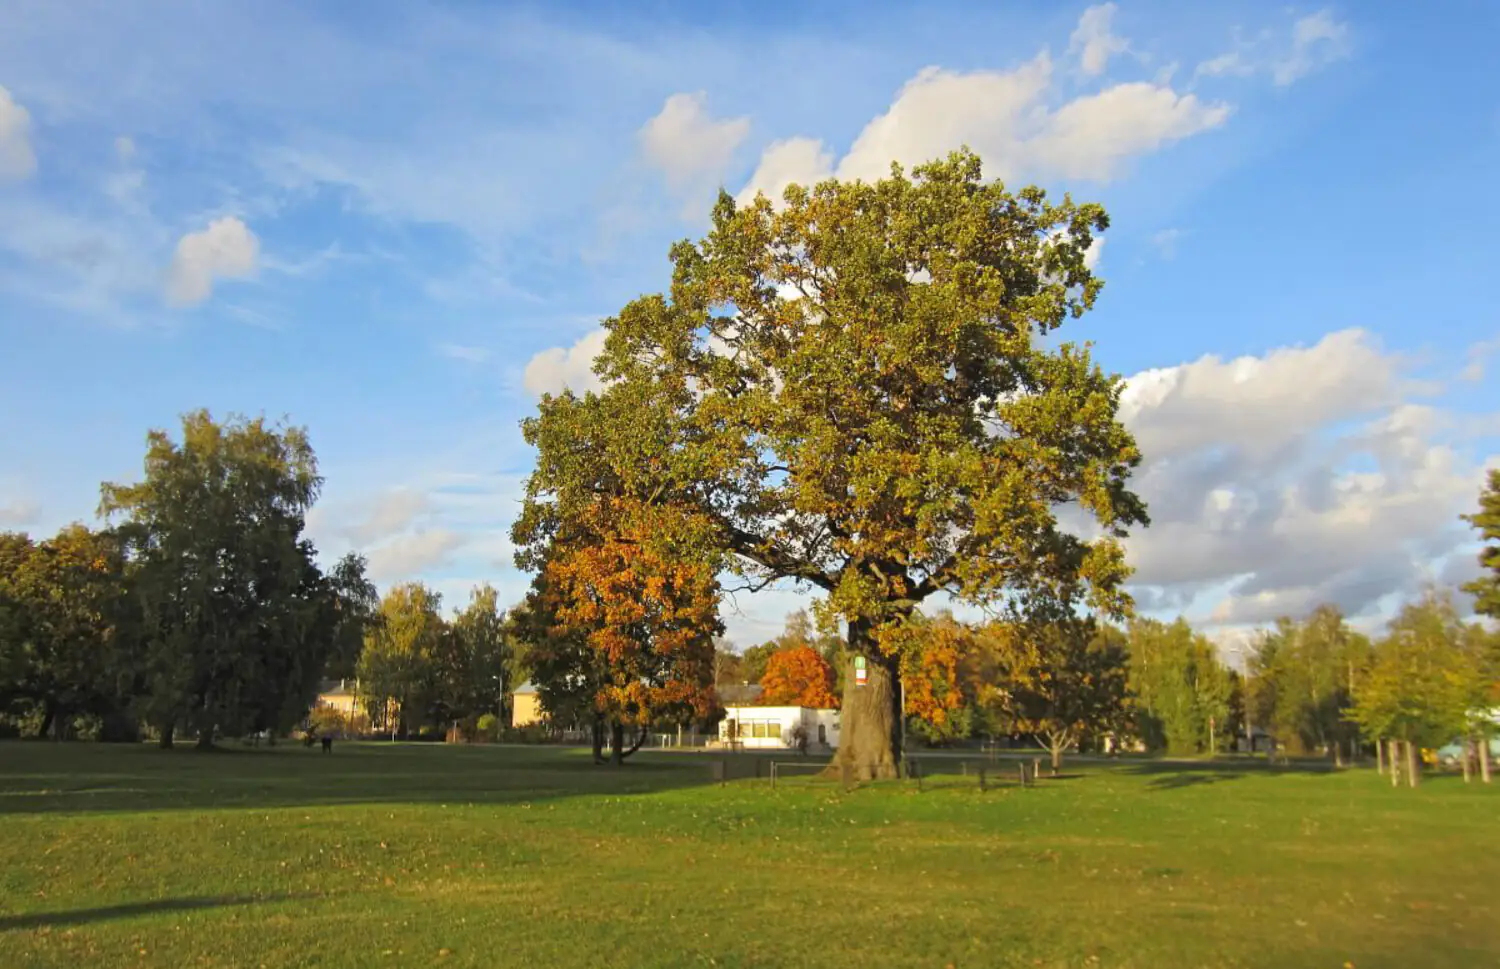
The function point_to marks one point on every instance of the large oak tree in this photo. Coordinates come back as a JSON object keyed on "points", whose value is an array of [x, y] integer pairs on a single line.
{"points": [[856, 391]]}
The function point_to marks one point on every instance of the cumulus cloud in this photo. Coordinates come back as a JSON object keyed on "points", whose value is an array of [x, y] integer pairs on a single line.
{"points": [[1093, 42], [17, 158], [1003, 115], [559, 368], [791, 161], [226, 249], [407, 556], [1301, 476], [688, 145]]}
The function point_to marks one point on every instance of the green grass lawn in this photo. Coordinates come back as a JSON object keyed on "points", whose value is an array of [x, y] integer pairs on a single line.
{"points": [[473, 856]]}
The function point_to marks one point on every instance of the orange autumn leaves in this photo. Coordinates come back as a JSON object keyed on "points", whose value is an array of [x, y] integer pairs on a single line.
{"points": [[798, 676], [647, 614]]}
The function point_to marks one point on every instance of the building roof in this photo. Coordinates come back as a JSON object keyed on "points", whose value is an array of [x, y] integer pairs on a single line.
{"points": [[524, 689]]}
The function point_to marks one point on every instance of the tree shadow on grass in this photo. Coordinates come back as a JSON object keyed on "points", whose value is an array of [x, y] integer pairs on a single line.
{"points": [[93, 779], [109, 913]]}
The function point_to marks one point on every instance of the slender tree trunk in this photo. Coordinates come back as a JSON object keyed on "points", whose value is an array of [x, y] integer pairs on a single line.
{"points": [[1395, 763], [598, 732], [1380, 756], [165, 740], [1467, 756], [1484, 759], [49, 714], [1413, 765], [206, 738], [617, 742], [870, 727]]}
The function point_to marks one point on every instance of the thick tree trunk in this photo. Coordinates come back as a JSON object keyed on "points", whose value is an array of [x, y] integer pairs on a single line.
{"points": [[165, 741], [1484, 759], [1413, 765], [598, 736], [870, 725]]}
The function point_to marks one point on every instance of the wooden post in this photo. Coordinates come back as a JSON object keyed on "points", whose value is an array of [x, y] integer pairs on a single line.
{"points": [[773, 775]]}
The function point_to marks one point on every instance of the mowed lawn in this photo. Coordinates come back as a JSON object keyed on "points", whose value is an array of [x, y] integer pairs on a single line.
{"points": [[411, 855]]}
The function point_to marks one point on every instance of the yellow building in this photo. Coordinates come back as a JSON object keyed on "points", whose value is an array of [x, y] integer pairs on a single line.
{"points": [[525, 705], [341, 696]]}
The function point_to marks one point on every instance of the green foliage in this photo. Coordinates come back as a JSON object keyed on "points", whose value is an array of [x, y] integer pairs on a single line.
{"points": [[475, 659], [402, 656], [1179, 685], [1427, 677], [851, 392], [68, 627], [1486, 588], [1303, 676], [234, 607]]}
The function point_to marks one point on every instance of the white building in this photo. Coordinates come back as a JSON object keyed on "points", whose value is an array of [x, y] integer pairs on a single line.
{"points": [[769, 728]]}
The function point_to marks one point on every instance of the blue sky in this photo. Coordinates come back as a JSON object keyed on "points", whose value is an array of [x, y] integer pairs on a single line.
{"points": [[395, 224]]}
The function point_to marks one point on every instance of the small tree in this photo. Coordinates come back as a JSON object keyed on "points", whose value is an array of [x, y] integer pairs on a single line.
{"points": [[1419, 689], [1064, 679], [1486, 588]]}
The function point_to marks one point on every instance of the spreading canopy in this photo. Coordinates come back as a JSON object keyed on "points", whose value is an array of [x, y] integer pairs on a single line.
{"points": [[852, 391]]}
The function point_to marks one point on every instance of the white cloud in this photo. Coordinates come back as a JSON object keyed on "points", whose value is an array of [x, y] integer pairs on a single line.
{"points": [[226, 249], [1477, 358], [1004, 116], [1317, 40], [799, 161], [124, 148], [559, 368], [1093, 42], [456, 351], [408, 556], [390, 514], [17, 158], [1093, 252], [18, 513], [1300, 476], [1313, 42], [688, 145]]}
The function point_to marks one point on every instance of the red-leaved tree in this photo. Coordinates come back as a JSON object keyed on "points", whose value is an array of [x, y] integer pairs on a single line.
{"points": [[801, 677]]}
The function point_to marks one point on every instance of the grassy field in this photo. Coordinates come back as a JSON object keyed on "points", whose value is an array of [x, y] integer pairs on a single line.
{"points": [[452, 856]]}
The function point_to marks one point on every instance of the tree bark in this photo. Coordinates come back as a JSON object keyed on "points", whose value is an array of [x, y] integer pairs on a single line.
{"points": [[598, 732], [1395, 763], [1467, 756], [870, 727], [206, 738], [165, 741], [1484, 758], [48, 716], [1413, 765], [617, 742], [1380, 756]]}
